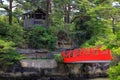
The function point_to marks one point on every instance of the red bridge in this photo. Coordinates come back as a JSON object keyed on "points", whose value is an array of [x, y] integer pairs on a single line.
{"points": [[86, 55]]}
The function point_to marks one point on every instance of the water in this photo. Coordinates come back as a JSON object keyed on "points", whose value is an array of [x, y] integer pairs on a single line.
{"points": [[98, 79], [45, 77], [78, 79], [53, 78]]}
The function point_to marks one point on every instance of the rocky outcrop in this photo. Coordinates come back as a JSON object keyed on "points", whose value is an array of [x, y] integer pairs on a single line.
{"points": [[74, 69], [51, 68]]}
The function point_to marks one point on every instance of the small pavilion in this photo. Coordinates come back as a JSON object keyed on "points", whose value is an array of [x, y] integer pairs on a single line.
{"points": [[36, 17]]}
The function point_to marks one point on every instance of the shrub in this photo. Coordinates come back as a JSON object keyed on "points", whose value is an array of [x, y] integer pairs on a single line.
{"points": [[114, 72], [58, 58], [8, 54], [13, 32], [41, 37]]}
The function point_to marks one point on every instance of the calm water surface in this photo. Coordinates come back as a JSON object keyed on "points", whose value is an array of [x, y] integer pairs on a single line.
{"points": [[60, 79], [99, 79]]}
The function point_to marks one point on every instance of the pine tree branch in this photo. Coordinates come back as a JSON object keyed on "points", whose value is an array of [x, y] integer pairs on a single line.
{"points": [[4, 7]]}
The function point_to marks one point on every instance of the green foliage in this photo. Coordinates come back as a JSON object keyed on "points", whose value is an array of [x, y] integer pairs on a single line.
{"points": [[59, 13], [11, 32], [95, 25], [3, 29], [10, 36], [104, 29], [93, 22], [5, 45], [83, 29], [29, 4], [114, 44], [16, 34], [41, 37], [58, 58], [16, 13], [8, 54], [114, 72]]}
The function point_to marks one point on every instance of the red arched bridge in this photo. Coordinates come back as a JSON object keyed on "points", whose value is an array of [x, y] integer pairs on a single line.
{"points": [[87, 55]]}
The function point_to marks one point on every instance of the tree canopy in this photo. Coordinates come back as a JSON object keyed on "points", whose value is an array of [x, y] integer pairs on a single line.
{"points": [[88, 23]]}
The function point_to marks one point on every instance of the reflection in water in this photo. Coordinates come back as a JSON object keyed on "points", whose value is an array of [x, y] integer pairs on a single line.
{"points": [[53, 78]]}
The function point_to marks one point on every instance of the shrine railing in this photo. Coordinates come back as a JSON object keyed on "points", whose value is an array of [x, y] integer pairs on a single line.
{"points": [[86, 55]]}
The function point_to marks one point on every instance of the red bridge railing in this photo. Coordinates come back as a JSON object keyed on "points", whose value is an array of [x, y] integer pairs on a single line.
{"points": [[86, 55]]}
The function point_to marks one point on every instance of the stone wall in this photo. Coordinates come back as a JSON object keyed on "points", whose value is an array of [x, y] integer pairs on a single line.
{"points": [[34, 53], [40, 63], [50, 67]]}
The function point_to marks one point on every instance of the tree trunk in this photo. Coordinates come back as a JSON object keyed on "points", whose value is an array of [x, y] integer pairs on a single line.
{"points": [[67, 13], [48, 8], [10, 12]]}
